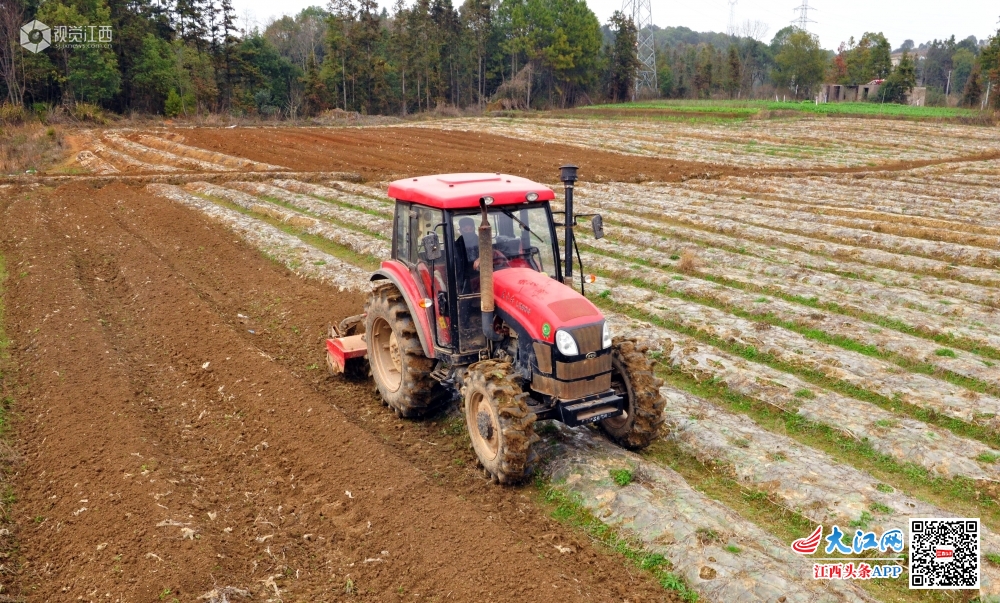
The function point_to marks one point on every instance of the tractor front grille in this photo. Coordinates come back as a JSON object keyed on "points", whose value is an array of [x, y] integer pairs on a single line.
{"points": [[589, 338], [571, 390], [588, 367]]}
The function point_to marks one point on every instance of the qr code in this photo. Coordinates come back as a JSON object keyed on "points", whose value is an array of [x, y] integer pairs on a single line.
{"points": [[944, 553]]}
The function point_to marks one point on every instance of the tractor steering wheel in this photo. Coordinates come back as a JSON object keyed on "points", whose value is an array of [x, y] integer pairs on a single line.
{"points": [[498, 258], [501, 259]]}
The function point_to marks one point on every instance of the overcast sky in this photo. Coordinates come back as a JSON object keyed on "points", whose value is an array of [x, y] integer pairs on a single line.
{"points": [[835, 20]]}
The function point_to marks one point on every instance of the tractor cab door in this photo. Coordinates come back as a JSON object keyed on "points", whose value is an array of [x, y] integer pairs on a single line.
{"points": [[463, 253], [413, 223]]}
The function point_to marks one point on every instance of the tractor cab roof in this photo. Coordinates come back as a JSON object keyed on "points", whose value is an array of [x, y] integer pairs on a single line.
{"points": [[462, 191]]}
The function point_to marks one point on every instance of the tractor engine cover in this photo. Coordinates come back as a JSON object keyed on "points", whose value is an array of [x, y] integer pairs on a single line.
{"points": [[542, 305]]}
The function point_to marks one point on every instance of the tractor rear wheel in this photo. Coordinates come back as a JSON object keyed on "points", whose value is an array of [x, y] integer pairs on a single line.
{"points": [[500, 425], [401, 371], [632, 378]]}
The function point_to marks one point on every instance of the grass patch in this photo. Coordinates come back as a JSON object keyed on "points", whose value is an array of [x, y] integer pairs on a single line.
{"points": [[568, 509], [8, 545], [880, 508], [764, 108], [945, 352], [30, 147], [622, 477]]}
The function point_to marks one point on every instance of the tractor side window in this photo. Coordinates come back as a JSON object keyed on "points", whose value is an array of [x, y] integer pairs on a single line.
{"points": [[432, 276], [422, 223], [401, 240]]}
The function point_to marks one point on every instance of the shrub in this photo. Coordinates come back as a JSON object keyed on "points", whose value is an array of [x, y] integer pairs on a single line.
{"points": [[12, 114], [689, 262], [173, 106], [88, 112]]}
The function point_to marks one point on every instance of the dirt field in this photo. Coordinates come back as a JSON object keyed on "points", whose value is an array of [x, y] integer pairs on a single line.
{"points": [[170, 446], [825, 314]]}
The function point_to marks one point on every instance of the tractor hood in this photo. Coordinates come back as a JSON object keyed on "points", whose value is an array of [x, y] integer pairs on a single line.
{"points": [[534, 300]]}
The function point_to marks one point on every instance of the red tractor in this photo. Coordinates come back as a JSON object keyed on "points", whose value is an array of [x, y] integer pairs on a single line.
{"points": [[509, 335]]}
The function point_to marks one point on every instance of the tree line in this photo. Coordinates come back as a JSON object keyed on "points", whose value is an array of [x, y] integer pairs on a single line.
{"points": [[185, 57], [794, 64]]}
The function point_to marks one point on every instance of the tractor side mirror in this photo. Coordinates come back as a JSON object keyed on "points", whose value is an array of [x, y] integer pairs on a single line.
{"points": [[432, 247], [597, 222]]}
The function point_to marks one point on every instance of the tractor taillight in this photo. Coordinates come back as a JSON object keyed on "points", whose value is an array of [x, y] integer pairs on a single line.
{"points": [[590, 278], [426, 303]]}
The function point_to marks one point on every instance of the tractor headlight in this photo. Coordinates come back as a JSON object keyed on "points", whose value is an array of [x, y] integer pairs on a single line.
{"points": [[606, 335], [566, 344]]}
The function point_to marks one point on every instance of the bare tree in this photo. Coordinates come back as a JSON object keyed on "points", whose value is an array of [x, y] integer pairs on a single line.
{"points": [[755, 30], [11, 19]]}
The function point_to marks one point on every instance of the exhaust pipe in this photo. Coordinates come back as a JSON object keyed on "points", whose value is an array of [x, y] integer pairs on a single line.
{"points": [[486, 272], [567, 174]]}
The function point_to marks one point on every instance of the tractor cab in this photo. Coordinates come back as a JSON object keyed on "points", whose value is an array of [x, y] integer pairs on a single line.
{"points": [[476, 303], [435, 235]]}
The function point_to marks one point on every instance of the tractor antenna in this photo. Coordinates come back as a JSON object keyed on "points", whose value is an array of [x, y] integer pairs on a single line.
{"points": [[567, 174], [642, 17]]}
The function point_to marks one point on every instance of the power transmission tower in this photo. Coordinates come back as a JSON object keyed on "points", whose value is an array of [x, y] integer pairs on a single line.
{"points": [[642, 17], [803, 19], [732, 18]]}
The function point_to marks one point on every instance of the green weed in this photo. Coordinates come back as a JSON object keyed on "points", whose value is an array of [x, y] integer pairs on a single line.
{"points": [[622, 477]]}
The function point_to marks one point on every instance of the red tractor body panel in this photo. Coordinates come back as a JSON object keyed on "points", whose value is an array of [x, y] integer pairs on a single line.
{"points": [[534, 300], [463, 191], [400, 275]]}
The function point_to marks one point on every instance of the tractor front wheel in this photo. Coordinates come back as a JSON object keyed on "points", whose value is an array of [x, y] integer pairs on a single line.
{"points": [[401, 371], [632, 378], [500, 425]]}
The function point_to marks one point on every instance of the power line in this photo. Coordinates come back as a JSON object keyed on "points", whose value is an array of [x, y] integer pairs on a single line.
{"points": [[641, 12], [803, 19], [732, 18]]}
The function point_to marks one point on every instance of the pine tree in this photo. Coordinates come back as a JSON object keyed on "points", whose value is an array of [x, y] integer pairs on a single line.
{"points": [[622, 59], [973, 93]]}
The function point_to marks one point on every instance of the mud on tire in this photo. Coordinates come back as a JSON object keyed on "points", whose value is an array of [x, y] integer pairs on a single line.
{"points": [[398, 365], [500, 425], [632, 378]]}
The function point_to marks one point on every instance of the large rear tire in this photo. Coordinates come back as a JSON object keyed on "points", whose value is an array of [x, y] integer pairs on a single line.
{"points": [[401, 372], [632, 378], [500, 425]]}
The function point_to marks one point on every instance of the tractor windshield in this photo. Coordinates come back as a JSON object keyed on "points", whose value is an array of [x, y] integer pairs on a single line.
{"points": [[522, 238]]}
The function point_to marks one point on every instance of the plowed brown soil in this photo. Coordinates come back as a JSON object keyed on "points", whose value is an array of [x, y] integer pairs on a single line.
{"points": [[389, 152], [177, 435], [382, 153]]}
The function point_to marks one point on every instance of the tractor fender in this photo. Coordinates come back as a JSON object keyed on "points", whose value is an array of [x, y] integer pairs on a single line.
{"points": [[399, 275]]}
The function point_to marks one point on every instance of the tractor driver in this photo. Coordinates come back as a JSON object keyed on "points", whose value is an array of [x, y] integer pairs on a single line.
{"points": [[467, 248]]}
